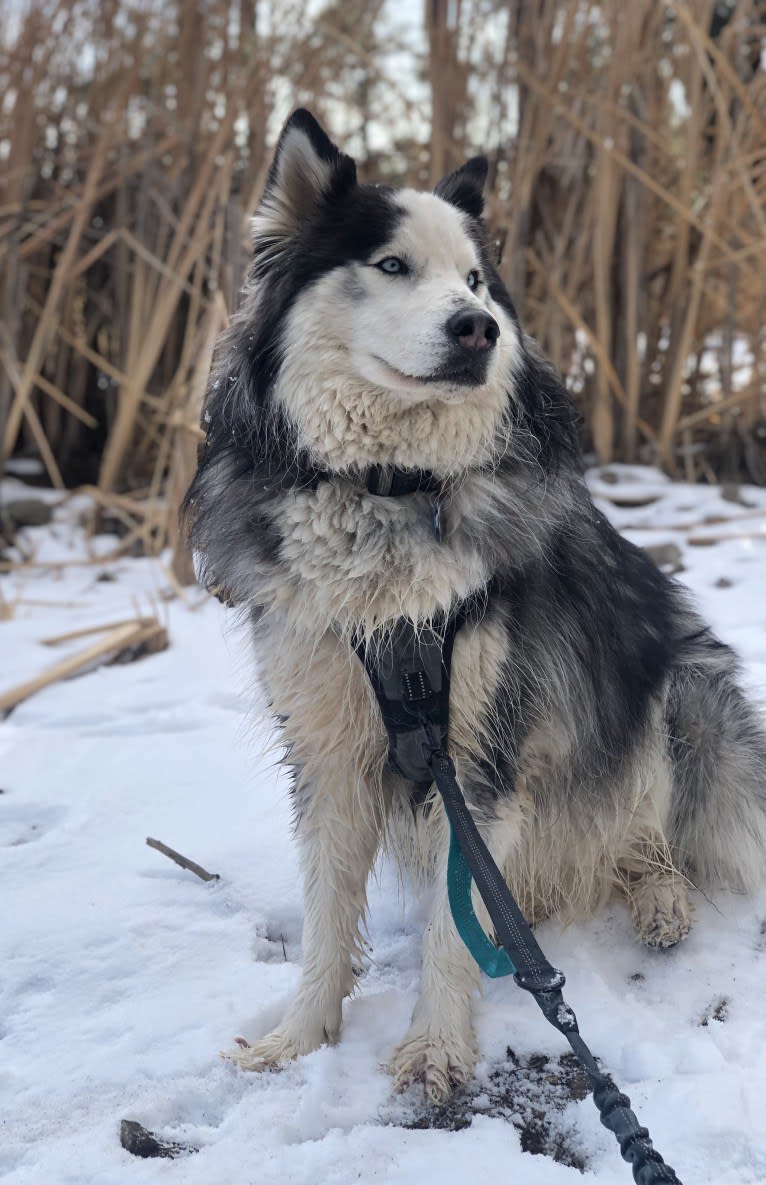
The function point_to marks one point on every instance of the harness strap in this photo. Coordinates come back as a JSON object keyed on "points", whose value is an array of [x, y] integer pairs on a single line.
{"points": [[410, 674]]}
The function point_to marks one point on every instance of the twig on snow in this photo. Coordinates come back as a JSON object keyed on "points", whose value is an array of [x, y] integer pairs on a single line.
{"points": [[197, 869]]}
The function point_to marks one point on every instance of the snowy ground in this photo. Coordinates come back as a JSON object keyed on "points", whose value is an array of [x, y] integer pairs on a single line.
{"points": [[121, 976]]}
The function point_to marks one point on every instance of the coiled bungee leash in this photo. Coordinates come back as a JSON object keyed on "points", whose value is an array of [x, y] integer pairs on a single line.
{"points": [[410, 674]]}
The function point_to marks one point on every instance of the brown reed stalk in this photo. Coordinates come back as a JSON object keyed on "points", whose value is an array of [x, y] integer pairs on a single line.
{"points": [[627, 183]]}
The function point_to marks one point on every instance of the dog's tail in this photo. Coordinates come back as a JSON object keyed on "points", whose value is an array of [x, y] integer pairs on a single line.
{"points": [[717, 740]]}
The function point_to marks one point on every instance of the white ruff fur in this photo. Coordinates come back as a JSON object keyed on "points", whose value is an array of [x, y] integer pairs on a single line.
{"points": [[342, 542]]}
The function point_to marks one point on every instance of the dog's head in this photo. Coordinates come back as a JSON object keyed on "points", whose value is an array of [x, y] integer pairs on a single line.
{"points": [[374, 317], [397, 281]]}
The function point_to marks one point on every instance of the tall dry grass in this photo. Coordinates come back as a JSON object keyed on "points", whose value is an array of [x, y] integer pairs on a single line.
{"points": [[628, 196]]}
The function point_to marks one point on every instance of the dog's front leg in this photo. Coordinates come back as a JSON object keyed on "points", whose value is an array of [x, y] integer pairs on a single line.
{"points": [[336, 748], [338, 830], [439, 1049]]}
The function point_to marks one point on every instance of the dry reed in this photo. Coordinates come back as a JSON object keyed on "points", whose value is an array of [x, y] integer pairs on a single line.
{"points": [[628, 191]]}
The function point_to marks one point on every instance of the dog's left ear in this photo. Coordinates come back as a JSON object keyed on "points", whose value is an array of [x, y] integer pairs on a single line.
{"points": [[464, 188], [307, 170]]}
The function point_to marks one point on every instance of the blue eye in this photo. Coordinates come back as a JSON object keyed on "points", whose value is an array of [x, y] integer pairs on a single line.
{"points": [[392, 266], [473, 279]]}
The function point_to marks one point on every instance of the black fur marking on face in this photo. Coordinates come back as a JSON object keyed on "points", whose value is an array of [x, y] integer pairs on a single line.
{"points": [[251, 451], [460, 371], [337, 233]]}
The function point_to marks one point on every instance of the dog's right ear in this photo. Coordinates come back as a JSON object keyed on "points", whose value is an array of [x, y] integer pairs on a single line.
{"points": [[307, 170]]}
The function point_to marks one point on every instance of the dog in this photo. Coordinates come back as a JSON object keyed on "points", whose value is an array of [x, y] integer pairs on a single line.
{"points": [[382, 441]]}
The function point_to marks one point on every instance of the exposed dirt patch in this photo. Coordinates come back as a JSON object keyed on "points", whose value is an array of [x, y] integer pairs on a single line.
{"points": [[532, 1093]]}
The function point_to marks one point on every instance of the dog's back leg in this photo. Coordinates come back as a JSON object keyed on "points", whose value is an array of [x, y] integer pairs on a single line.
{"points": [[717, 743], [659, 902], [647, 869]]}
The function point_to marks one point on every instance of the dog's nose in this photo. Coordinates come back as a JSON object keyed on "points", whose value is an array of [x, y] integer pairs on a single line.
{"points": [[473, 329]]}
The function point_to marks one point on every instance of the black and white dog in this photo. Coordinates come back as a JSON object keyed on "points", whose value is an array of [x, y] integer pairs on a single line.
{"points": [[375, 373]]}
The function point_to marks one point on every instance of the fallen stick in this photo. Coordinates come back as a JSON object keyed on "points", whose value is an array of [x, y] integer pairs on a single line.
{"points": [[723, 537], [141, 631], [88, 630], [117, 639], [153, 637], [110, 557], [197, 869], [715, 520], [37, 603]]}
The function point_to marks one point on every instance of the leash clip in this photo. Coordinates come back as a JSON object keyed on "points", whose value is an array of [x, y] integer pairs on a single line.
{"points": [[552, 981]]}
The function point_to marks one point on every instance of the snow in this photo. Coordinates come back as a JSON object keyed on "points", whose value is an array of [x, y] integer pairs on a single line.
{"points": [[122, 975]]}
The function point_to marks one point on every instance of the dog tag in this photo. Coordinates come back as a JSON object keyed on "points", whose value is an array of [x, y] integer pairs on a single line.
{"points": [[437, 524]]}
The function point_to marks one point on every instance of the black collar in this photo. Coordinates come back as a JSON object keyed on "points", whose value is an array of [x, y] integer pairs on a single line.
{"points": [[388, 481]]}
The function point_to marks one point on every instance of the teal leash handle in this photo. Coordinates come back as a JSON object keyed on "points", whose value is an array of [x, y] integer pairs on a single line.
{"points": [[493, 960]]}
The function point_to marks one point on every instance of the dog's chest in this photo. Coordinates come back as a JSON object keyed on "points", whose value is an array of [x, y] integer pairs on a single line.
{"points": [[366, 559]]}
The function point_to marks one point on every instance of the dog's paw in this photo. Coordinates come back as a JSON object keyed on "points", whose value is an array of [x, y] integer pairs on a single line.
{"points": [[301, 1032], [662, 912], [439, 1061], [270, 1052]]}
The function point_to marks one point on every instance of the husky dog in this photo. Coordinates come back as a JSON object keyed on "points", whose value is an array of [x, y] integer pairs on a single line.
{"points": [[376, 378]]}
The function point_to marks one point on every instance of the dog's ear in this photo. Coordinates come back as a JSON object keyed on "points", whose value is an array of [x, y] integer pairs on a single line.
{"points": [[307, 169], [464, 188]]}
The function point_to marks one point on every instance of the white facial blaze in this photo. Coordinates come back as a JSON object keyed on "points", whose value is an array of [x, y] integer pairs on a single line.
{"points": [[399, 327]]}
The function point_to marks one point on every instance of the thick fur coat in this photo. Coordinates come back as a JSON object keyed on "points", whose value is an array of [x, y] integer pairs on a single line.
{"points": [[598, 730]]}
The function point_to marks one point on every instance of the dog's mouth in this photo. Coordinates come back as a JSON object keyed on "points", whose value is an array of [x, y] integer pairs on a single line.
{"points": [[470, 374]]}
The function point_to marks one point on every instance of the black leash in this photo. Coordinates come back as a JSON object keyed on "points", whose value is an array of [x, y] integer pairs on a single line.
{"points": [[410, 677]]}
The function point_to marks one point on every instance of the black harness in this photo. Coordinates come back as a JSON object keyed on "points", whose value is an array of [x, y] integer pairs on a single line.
{"points": [[410, 675]]}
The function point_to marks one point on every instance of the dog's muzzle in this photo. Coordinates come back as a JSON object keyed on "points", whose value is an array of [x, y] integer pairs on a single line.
{"points": [[472, 334]]}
